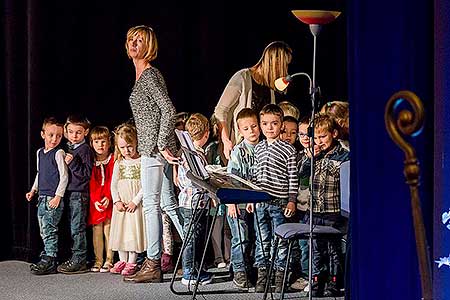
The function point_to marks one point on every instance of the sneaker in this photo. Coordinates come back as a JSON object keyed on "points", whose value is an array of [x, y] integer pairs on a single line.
{"points": [[190, 278], [261, 280], [47, 265], [96, 268], [222, 265], [106, 267], [300, 284], [118, 267], [129, 269], [317, 287], [240, 280], [71, 267]]}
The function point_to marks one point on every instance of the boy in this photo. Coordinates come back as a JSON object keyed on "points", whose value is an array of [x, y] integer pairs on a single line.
{"points": [[329, 155], [276, 173], [79, 160], [198, 128], [50, 182], [289, 131], [241, 163]]}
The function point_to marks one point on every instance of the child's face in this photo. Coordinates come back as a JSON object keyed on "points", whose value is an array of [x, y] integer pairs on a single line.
{"points": [[201, 142], [271, 126], [303, 134], [127, 150], [52, 135], [101, 146], [76, 133], [249, 129], [324, 138], [289, 132]]}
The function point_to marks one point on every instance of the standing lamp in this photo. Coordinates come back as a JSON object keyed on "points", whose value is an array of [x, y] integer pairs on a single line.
{"points": [[315, 19]]}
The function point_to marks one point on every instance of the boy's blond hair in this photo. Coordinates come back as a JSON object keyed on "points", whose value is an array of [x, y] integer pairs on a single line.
{"points": [[325, 122], [197, 125], [289, 109]]}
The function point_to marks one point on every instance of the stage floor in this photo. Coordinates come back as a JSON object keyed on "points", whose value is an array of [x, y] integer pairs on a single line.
{"points": [[17, 283]]}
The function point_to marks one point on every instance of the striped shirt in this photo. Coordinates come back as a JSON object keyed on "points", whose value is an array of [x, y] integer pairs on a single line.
{"points": [[276, 169]]}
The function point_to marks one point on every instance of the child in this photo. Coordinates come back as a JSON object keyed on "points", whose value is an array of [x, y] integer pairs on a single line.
{"points": [[50, 182], [340, 112], [100, 206], [198, 128], [79, 160], [276, 173], [241, 163], [289, 131], [326, 204], [127, 224], [289, 109]]}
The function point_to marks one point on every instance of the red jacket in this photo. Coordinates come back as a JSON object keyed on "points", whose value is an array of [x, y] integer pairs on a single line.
{"points": [[100, 187]]}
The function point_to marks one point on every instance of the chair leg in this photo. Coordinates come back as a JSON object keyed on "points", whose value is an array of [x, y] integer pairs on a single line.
{"points": [[286, 270], [269, 274]]}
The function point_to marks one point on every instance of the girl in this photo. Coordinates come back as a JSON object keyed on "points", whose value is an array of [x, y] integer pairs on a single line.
{"points": [[127, 225], [100, 206]]}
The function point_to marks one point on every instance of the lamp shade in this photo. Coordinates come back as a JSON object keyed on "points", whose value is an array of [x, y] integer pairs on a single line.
{"points": [[282, 83], [319, 17]]}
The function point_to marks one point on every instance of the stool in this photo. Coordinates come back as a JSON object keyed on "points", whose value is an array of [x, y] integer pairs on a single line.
{"points": [[293, 232]]}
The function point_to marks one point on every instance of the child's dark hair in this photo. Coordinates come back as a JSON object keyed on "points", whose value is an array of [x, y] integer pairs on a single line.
{"points": [[246, 113], [78, 120], [272, 109]]}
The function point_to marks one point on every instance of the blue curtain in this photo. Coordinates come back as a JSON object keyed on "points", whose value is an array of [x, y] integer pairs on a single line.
{"points": [[390, 48]]}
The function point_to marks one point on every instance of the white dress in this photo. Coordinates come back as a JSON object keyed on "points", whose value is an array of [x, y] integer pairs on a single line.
{"points": [[127, 229]]}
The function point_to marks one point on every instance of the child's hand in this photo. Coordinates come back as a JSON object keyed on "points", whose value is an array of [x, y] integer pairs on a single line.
{"points": [[119, 206], [68, 158], [30, 195], [250, 208], [99, 206], [131, 207], [289, 210], [105, 202], [233, 212], [54, 203]]}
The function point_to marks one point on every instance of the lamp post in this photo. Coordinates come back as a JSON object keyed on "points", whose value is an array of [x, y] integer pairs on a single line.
{"points": [[315, 19]]}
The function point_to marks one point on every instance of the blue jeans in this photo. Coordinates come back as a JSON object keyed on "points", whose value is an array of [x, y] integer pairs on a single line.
{"points": [[240, 241], [169, 202], [78, 206], [152, 174], [193, 250], [268, 217], [48, 219]]}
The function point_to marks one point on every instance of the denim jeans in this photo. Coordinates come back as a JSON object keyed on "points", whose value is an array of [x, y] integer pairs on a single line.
{"points": [[268, 217], [195, 243], [48, 219], [169, 202], [239, 241], [152, 175], [78, 206]]}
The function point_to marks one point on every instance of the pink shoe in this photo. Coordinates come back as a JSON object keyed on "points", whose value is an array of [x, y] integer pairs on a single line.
{"points": [[118, 267], [129, 269]]}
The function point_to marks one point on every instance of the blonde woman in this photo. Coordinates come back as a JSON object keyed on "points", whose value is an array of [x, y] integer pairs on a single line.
{"points": [[251, 88]]}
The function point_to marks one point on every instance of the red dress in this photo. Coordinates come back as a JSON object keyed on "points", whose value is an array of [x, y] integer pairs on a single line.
{"points": [[100, 187]]}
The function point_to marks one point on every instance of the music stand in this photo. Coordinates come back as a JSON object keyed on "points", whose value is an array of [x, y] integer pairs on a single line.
{"points": [[224, 188]]}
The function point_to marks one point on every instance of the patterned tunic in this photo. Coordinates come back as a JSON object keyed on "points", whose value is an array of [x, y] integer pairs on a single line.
{"points": [[153, 112]]}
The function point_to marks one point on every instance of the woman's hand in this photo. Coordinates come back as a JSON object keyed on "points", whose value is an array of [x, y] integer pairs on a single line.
{"points": [[227, 147], [171, 159]]}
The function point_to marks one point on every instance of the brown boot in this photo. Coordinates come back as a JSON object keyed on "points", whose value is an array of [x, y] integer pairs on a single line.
{"points": [[149, 272]]}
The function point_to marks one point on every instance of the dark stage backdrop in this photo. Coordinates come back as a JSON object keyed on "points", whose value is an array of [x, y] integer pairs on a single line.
{"points": [[69, 57]]}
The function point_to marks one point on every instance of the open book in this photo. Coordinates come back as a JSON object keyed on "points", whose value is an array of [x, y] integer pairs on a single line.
{"points": [[224, 187]]}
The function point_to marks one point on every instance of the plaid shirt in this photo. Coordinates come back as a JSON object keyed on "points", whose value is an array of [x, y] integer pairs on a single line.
{"points": [[327, 185]]}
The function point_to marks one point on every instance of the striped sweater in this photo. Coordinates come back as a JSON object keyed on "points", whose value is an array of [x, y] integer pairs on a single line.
{"points": [[276, 169]]}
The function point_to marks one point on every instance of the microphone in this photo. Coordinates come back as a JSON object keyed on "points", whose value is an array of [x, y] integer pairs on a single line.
{"points": [[282, 83]]}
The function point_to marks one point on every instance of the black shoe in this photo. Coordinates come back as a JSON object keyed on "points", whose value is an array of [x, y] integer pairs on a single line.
{"points": [[240, 280], [71, 267], [261, 281], [278, 281], [47, 265], [332, 289], [317, 287]]}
